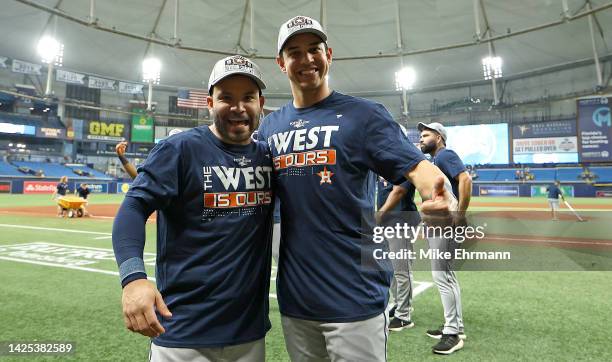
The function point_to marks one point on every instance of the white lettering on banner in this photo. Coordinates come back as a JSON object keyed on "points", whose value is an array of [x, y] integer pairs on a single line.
{"points": [[254, 177], [3, 62], [302, 139], [69, 77], [100, 83], [19, 66], [130, 88], [545, 145]]}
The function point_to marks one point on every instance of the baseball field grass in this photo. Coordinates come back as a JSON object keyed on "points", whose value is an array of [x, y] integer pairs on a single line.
{"points": [[509, 315]]}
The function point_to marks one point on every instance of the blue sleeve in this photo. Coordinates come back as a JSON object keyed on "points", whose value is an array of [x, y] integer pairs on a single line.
{"points": [[129, 238], [406, 185], [157, 183], [389, 152], [450, 163]]}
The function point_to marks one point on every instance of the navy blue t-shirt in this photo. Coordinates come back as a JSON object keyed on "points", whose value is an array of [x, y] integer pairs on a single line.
{"points": [[214, 204], [62, 188], [323, 157], [83, 192], [451, 165], [405, 204], [553, 192]]}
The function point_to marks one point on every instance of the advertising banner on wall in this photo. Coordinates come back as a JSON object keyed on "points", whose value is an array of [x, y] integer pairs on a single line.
{"points": [[19, 66], [544, 129], [47, 132], [142, 127], [69, 77], [123, 187], [5, 187], [39, 187], [540, 190], [100, 83], [498, 190], [104, 131], [544, 145], [130, 88], [97, 188], [595, 129]]}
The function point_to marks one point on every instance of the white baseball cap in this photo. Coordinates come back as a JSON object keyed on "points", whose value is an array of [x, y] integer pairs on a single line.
{"points": [[235, 64], [299, 25], [434, 126]]}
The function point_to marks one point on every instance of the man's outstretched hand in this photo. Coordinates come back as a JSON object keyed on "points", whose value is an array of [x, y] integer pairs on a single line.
{"points": [[439, 209]]}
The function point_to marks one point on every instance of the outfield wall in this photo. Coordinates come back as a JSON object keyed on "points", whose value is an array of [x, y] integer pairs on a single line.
{"points": [[538, 189], [48, 186], [493, 189]]}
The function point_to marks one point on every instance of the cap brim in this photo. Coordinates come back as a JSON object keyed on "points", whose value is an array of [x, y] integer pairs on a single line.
{"points": [[258, 81], [421, 126], [316, 32]]}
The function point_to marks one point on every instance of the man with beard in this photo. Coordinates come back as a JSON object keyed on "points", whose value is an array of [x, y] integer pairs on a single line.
{"points": [[212, 189], [451, 334], [326, 147]]}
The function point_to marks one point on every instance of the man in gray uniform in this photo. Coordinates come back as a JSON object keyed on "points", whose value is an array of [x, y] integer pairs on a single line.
{"points": [[452, 334]]}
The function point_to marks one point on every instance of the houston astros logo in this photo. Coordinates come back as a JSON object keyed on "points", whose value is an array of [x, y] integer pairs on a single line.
{"points": [[523, 129], [299, 21], [242, 161], [325, 176], [299, 123]]}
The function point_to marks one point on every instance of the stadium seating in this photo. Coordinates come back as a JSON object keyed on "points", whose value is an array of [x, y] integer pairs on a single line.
{"points": [[8, 170], [569, 174], [544, 174], [86, 170], [604, 174]]}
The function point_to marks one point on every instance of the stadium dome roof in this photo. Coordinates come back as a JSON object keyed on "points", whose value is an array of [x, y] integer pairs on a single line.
{"points": [[439, 38]]}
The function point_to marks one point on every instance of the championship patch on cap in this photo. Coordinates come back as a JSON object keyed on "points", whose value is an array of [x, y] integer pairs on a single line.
{"points": [[298, 25], [235, 65], [238, 62]]}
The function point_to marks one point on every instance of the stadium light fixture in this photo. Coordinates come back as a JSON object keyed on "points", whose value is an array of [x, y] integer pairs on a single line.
{"points": [[492, 67], [151, 71], [405, 79], [51, 51]]}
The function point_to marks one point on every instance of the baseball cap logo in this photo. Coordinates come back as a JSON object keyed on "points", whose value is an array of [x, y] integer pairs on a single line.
{"points": [[299, 21], [238, 61]]}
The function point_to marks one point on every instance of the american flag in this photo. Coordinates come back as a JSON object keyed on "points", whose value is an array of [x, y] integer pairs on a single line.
{"points": [[190, 98]]}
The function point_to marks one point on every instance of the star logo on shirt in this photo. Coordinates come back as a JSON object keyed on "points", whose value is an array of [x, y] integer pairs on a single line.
{"points": [[299, 123], [242, 161], [325, 176]]}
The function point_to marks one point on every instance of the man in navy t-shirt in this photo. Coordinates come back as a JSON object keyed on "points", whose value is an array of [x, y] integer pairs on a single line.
{"points": [[212, 188], [60, 190], [451, 334], [326, 147], [554, 192]]}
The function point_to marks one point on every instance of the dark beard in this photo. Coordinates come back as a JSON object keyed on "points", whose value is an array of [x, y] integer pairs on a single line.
{"points": [[428, 148], [220, 125]]}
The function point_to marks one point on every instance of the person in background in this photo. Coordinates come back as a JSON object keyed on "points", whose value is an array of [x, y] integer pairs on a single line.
{"points": [[130, 169], [120, 148], [83, 192], [554, 192], [60, 190]]}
